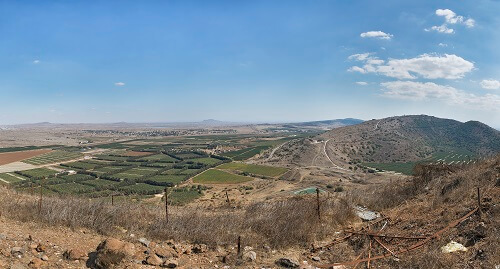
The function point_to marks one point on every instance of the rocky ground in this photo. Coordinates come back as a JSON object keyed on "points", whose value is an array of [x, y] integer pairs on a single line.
{"points": [[29, 245]]}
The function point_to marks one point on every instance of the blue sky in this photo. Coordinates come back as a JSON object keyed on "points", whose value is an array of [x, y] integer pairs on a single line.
{"points": [[151, 61]]}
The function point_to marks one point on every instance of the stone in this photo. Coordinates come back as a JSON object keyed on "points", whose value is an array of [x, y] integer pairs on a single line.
{"points": [[144, 241], [288, 263], [165, 252], [316, 258], [250, 256], [3, 237], [44, 258], [33, 245], [75, 254], [111, 252], [171, 263], [17, 265], [453, 247], [35, 263], [41, 248], [154, 260], [17, 251], [199, 248]]}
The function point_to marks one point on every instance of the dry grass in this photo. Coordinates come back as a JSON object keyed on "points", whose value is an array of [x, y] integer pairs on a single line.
{"points": [[278, 223]]}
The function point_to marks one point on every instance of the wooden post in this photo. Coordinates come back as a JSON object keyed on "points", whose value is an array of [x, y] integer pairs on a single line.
{"points": [[40, 201], [112, 199], [166, 205], [227, 199], [239, 245], [317, 201], [479, 201]]}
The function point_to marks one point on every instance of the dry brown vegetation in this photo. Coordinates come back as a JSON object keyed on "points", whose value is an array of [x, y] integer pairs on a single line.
{"points": [[277, 223]]}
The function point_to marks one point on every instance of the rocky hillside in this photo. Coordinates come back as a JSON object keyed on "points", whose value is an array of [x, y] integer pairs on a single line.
{"points": [[394, 139]]}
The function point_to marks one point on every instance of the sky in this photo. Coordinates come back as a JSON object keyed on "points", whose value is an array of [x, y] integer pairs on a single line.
{"points": [[248, 61]]}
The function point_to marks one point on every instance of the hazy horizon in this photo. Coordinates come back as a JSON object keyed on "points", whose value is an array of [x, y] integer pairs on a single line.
{"points": [[258, 61]]}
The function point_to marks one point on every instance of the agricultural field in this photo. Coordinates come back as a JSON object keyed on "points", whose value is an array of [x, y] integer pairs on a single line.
{"points": [[15, 156], [262, 170], [53, 157], [11, 178], [445, 157], [159, 157], [38, 173], [209, 160], [166, 179], [144, 167], [214, 176], [141, 188], [70, 188]]}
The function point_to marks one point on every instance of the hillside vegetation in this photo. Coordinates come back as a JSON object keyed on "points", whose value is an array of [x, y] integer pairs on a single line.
{"points": [[395, 139]]}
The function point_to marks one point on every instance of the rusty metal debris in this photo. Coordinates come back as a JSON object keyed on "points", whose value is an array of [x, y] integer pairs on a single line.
{"points": [[373, 236]]}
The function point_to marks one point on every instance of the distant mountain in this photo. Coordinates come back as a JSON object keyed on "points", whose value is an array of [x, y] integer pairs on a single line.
{"points": [[394, 139], [330, 123], [324, 124]]}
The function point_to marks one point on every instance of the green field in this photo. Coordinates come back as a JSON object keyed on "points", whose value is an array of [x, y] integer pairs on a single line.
{"points": [[163, 179], [255, 169], [100, 183], [219, 176], [445, 157], [39, 172], [142, 188], [53, 157], [159, 157], [183, 196], [83, 165], [207, 160], [11, 178], [70, 188], [247, 153]]}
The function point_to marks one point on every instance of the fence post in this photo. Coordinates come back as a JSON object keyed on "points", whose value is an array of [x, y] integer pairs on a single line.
{"points": [[166, 205], [479, 202], [112, 199], [227, 199], [41, 197], [317, 201], [239, 245]]}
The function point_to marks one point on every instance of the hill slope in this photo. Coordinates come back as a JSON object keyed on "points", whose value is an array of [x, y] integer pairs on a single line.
{"points": [[394, 139]]}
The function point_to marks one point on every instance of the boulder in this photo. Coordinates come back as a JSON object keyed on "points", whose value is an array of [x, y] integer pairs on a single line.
{"points": [[165, 252], [144, 241], [17, 251], [154, 260], [41, 248], [44, 258], [35, 263], [199, 248], [75, 254], [171, 263], [250, 256], [288, 263], [111, 252]]}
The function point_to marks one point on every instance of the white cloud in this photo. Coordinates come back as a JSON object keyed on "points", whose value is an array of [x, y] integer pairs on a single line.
{"points": [[451, 17], [357, 69], [490, 84], [443, 45], [119, 84], [376, 34], [418, 91], [426, 66], [442, 29], [362, 83], [36, 61], [360, 56]]}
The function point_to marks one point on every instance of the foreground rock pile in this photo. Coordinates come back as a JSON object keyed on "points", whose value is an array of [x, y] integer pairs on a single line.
{"points": [[29, 252]]}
